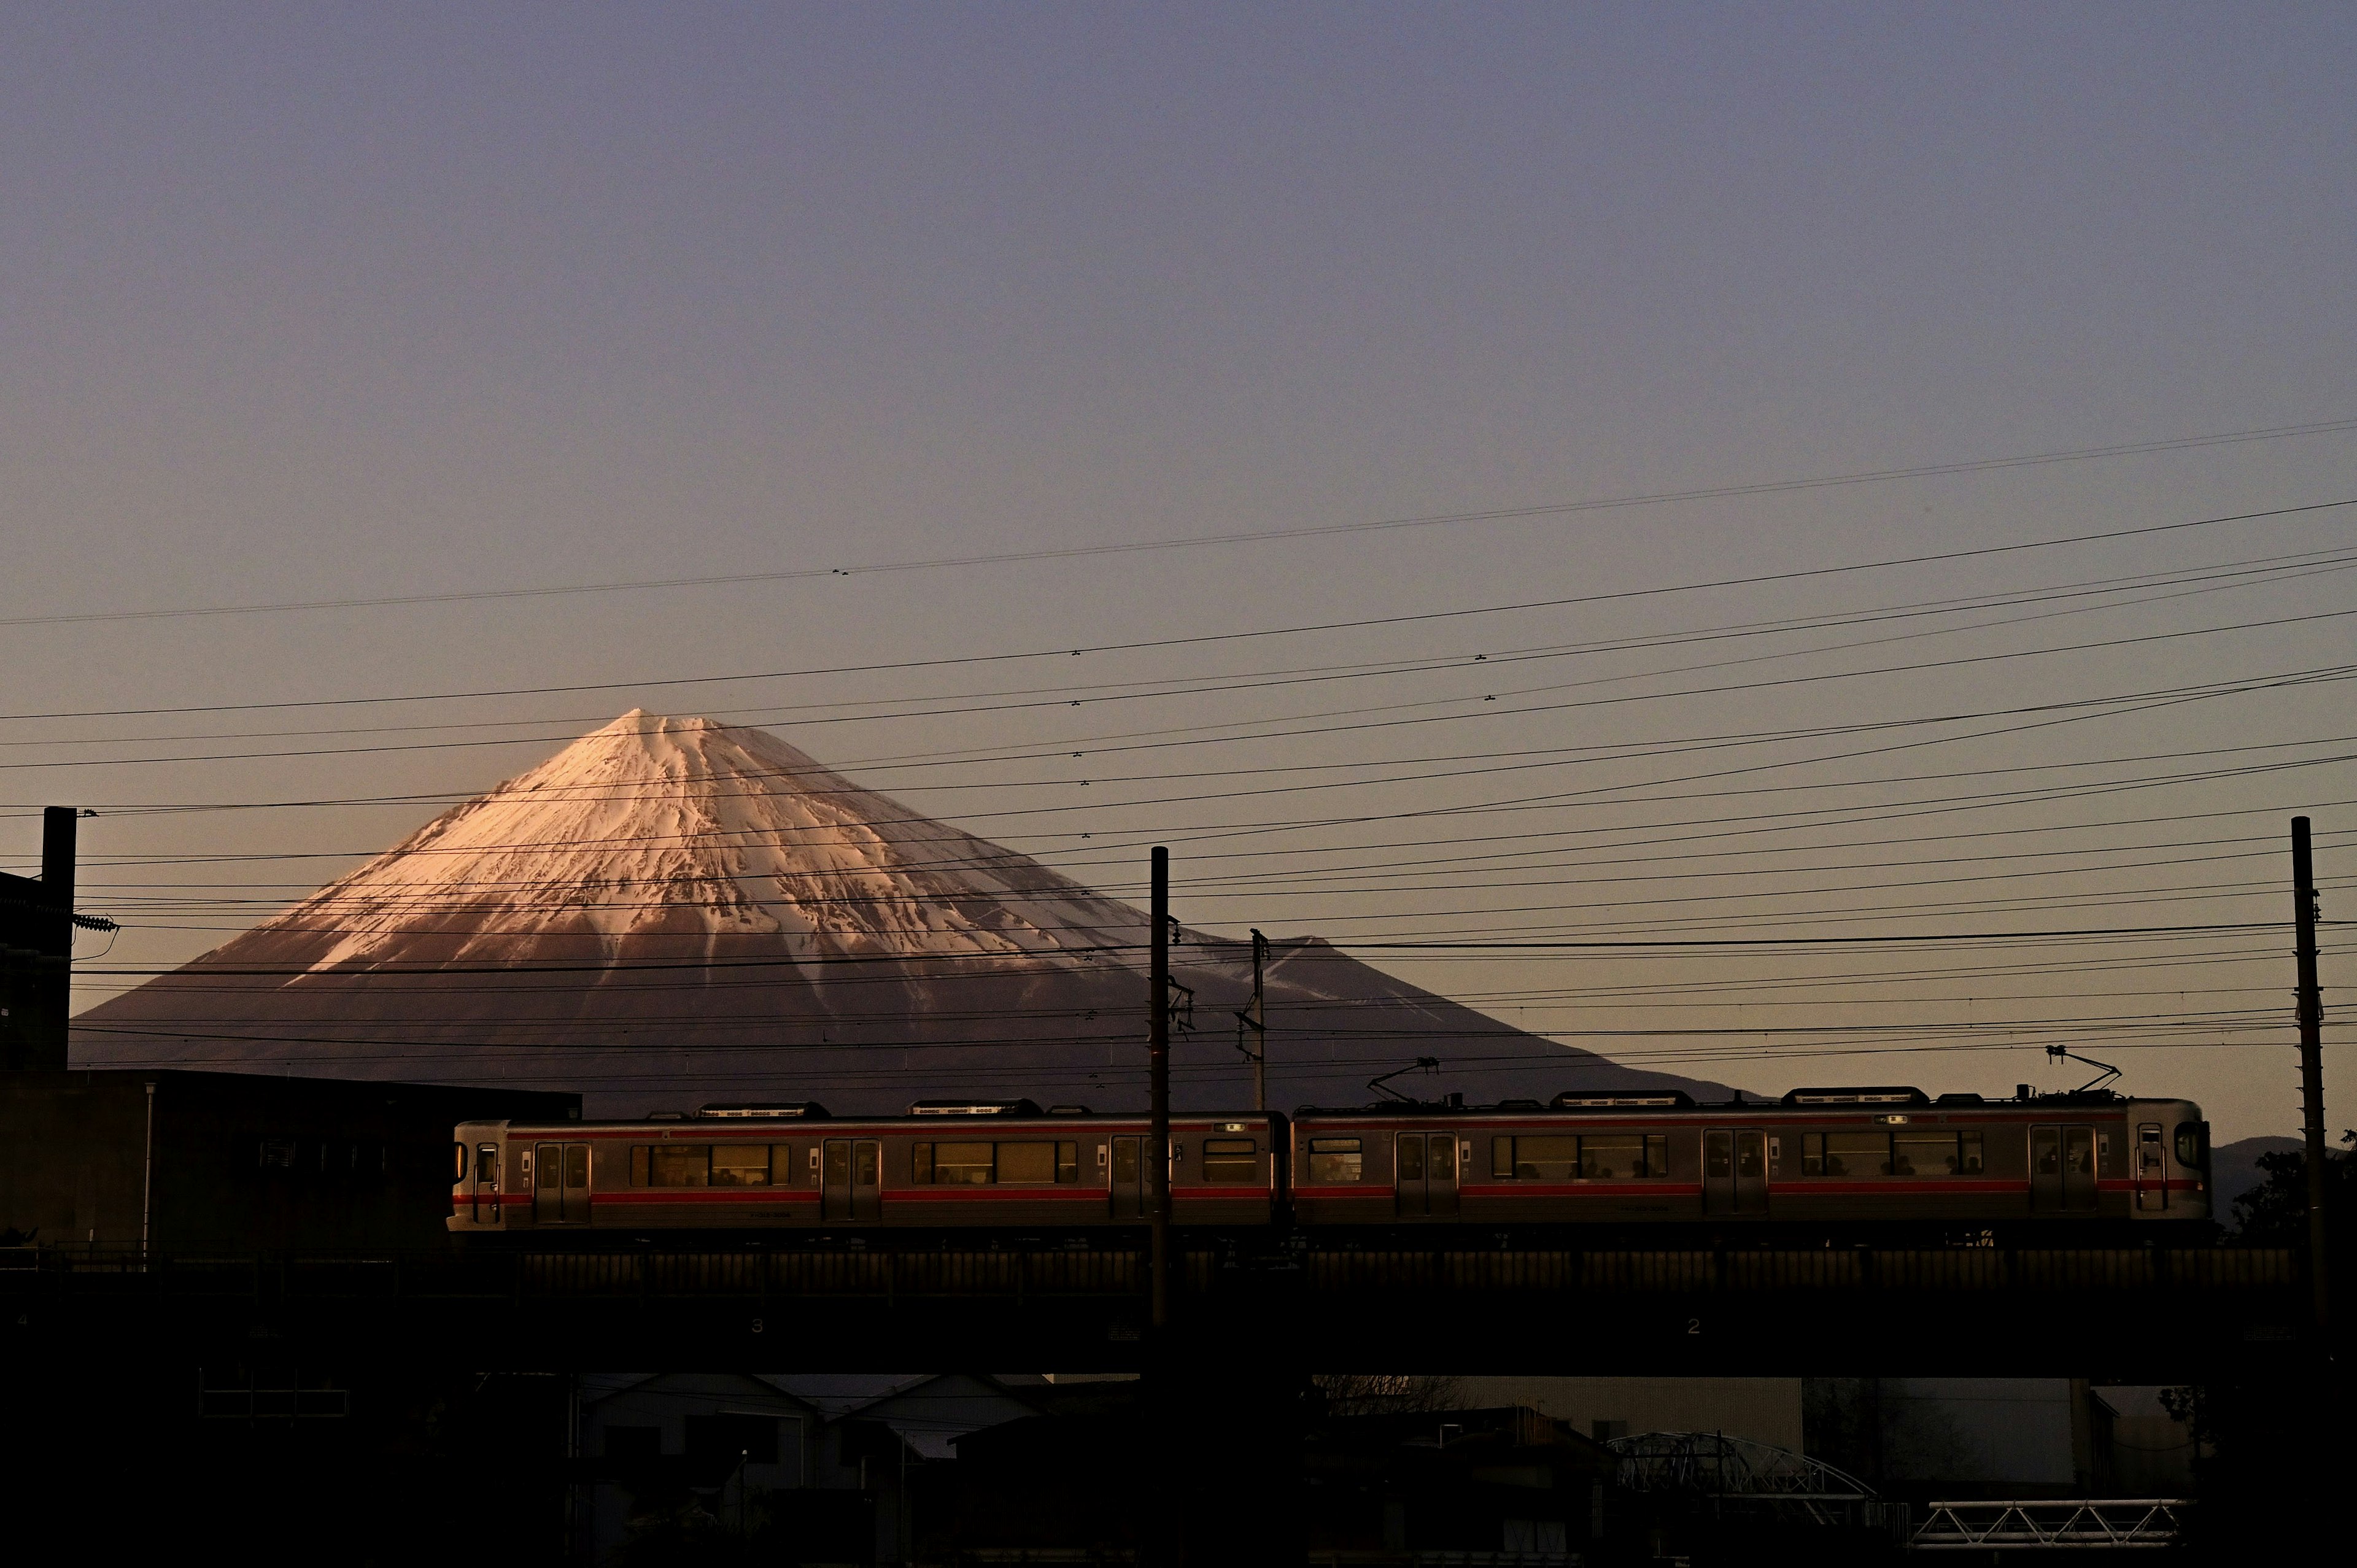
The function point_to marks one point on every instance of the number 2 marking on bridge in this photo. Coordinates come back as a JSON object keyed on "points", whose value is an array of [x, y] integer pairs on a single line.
{"points": [[1694, 1325]]}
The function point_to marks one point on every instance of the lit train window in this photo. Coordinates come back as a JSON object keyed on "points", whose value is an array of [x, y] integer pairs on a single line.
{"points": [[740, 1165], [1232, 1160], [1604, 1159], [1335, 1160], [1025, 1164], [1547, 1158], [2188, 1143], [1925, 1154], [672, 1164], [963, 1164]]}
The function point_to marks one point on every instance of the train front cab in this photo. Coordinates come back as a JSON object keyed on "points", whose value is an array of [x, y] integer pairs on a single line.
{"points": [[2169, 1162], [1840, 1158], [479, 1184]]}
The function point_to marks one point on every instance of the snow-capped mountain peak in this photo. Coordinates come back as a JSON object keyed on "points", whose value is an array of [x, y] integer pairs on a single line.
{"points": [[678, 827]]}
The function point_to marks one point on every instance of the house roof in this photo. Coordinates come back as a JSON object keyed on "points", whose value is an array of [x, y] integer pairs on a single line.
{"points": [[926, 1411], [837, 1394]]}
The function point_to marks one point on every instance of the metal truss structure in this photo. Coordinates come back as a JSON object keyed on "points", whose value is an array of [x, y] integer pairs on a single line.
{"points": [[2000, 1525], [1734, 1475]]}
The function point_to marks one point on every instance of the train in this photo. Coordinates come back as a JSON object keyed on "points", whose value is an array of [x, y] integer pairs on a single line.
{"points": [[1820, 1161]]}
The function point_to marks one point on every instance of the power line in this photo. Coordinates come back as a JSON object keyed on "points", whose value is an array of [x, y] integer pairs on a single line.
{"points": [[1226, 637], [2214, 578], [1560, 509]]}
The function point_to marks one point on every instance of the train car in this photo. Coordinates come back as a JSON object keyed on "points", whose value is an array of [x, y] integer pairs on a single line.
{"points": [[1827, 1158], [946, 1164]]}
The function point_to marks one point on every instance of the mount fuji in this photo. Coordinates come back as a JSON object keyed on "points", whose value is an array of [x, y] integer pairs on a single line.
{"points": [[672, 910]]}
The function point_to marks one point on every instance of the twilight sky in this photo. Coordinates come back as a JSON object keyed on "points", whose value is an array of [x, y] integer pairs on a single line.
{"points": [[322, 302]]}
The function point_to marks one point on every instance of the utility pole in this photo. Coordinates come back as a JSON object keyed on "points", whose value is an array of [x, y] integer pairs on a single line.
{"points": [[1157, 1159], [1255, 1018], [37, 928], [2311, 1058]]}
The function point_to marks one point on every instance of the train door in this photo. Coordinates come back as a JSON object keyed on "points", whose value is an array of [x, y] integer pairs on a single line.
{"points": [[487, 1183], [1423, 1175], [850, 1179], [2151, 1167], [2062, 1170], [560, 1184], [2079, 1168], [1734, 1171], [1128, 1179]]}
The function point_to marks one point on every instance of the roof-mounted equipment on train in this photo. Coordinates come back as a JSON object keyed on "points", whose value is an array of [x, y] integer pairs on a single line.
{"points": [[1572, 1099], [803, 1109], [975, 1108], [1880, 1094]]}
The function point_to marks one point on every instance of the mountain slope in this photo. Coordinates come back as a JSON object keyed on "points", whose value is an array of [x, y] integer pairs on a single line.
{"points": [[672, 910]]}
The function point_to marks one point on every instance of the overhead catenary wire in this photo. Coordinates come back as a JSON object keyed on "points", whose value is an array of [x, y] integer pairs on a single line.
{"points": [[1557, 509]]}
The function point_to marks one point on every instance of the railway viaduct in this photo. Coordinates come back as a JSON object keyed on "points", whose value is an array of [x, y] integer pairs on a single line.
{"points": [[2131, 1314]]}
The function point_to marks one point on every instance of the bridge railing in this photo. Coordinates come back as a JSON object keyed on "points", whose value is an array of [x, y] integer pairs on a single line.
{"points": [[2003, 1524], [776, 1271]]}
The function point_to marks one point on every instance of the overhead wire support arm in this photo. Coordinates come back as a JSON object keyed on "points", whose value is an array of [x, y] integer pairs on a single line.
{"points": [[2058, 1053], [1383, 1085]]}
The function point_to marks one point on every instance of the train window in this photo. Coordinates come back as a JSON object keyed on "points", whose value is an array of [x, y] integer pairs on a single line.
{"points": [[1546, 1157], [1612, 1158], [1232, 1161], [1335, 1160], [1813, 1153], [678, 1164], [1856, 1153], [1027, 1163], [1968, 1153], [459, 1151], [740, 1165], [782, 1164], [961, 1165], [1925, 1154], [2189, 1140], [486, 1168], [984, 1164], [1558, 1156]]}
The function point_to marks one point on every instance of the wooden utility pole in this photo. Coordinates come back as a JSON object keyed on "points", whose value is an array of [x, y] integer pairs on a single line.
{"points": [[1158, 1154], [2311, 1059]]}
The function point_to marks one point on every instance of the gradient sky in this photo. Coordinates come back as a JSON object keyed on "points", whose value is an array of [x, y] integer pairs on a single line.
{"points": [[316, 303]]}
